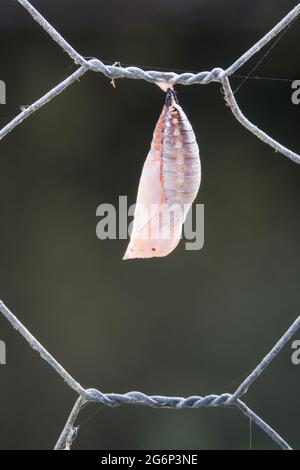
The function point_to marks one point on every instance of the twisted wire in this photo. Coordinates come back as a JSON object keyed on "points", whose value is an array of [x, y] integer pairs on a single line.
{"points": [[114, 72]]}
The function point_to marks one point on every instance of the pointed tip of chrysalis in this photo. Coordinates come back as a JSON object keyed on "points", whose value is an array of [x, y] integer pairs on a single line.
{"points": [[127, 255]]}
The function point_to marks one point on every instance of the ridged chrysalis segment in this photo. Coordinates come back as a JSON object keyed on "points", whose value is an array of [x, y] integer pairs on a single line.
{"points": [[169, 183]]}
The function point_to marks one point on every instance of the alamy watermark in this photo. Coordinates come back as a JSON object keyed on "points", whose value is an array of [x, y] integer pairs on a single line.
{"points": [[2, 352], [2, 92], [114, 222], [296, 93], [296, 352]]}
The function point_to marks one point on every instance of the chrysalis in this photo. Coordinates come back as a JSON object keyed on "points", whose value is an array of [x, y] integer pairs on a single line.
{"points": [[168, 186]]}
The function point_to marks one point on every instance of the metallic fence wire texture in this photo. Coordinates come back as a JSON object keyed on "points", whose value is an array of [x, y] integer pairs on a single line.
{"points": [[218, 74]]}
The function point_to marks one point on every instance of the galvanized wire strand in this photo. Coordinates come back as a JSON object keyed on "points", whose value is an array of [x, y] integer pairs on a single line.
{"points": [[217, 74], [256, 373], [157, 401], [229, 96], [114, 72], [29, 110], [37, 346], [154, 401], [154, 76]]}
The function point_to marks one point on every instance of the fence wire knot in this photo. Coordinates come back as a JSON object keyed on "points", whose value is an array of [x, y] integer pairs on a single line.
{"points": [[217, 74], [112, 400], [114, 72]]}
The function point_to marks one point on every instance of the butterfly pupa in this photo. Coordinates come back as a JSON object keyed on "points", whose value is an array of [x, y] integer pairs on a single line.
{"points": [[168, 185]]}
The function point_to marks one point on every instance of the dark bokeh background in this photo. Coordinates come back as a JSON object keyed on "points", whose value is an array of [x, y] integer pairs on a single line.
{"points": [[190, 323]]}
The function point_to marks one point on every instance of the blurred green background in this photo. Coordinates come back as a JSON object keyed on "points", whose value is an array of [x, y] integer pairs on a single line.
{"points": [[195, 322]]}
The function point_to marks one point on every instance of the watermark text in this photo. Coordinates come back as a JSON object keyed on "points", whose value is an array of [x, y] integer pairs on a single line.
{"points": [[2, 352], [155, 222], [296, 352], [296, 93], [2, 92]]}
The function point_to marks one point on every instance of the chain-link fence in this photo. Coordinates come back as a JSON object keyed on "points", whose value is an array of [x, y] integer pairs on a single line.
{"points": [[115, 72]]}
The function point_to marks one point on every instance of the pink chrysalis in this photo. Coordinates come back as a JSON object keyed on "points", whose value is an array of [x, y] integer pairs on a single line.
{"points": [[169, 183]]}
